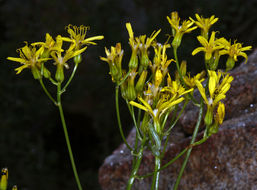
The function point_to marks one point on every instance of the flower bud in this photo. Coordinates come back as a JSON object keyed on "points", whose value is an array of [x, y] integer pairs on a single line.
{"points": [[230, 63], [144, 61], [59, 75], [35, 72], [208, 117], [77, 59], [131, 92], [4, 178], [46, 73], [133, 63], [141, 82], [177, 40]]}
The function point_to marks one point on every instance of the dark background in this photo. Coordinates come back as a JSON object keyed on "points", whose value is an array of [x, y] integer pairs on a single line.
{"points": [[32, 143]]}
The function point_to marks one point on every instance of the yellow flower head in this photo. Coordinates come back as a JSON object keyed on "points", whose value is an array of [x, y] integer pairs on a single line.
{"points": [[68, 54], [114, 59], [204, 24], [191, 81], [217, 89], [179, 30], [78, 36], [233, 50], [208, 46], [30, 57]]}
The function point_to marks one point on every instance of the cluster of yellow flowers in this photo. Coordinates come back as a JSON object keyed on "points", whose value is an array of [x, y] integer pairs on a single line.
{"points": [[158, 96], [35, 55], [4, 180]]}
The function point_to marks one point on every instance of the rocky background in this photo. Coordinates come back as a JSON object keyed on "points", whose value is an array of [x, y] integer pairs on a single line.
{"points": [[32, 145], [227, 160]]}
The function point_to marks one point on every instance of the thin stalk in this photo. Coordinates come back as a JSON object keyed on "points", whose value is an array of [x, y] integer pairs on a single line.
{"points": [[118, 118], [156, 175], [192, 143], [46, 91], [132, 113], [136, 165], [71, 77], [59, 104]]}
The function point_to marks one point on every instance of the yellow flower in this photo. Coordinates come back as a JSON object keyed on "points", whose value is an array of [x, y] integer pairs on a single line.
{"points": [[114, 59], [204, 24], [179, 30], [217, 92], [161, 60], [144, 43], [61, 60], [191, 81], [233, 50], [133, 63], [78, 36], [4, 178], [30, 57], [208, 46]]}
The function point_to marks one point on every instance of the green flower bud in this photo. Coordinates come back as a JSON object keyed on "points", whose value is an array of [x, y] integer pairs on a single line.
{"points": [[208, 117], [133, 63], [47, 73], [177, 40], [131, 92], [36, 72], [144, 61], [59, 75], [141, 82], [230, 63], [77, 59]]}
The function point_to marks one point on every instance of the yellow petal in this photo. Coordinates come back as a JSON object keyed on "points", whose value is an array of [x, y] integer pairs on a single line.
{"points": [[19, 69], [20, 60], [130, 31], [203, 41], [197, 50], [138, 105], [202, 91]]}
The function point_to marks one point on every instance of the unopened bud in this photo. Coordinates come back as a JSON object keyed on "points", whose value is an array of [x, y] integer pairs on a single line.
{"points": [[141, 82], [59, 75], [77, 59]]}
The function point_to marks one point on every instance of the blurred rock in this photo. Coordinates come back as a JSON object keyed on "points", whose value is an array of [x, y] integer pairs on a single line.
{"points": [[227, 160]]}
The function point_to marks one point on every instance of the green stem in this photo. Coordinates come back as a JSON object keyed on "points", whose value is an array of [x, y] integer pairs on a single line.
{"points": [[191, 147], [156, 175], [175, 158], [71, 77], [59, 104], [46, 91], [136, 165], [118, 117], [132, 113]]}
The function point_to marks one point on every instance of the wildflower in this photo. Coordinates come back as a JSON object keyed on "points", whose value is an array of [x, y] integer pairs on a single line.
{"points": [[114, 59], [144, 43], [204, 24], [60, 60], [208, 46], [161, 60], [179, 30], [157, 112], [78, 36], [218, 120], [233, 50], [4, 178], [217, 92], [133, 63], [191, 81], [30, 57]]}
